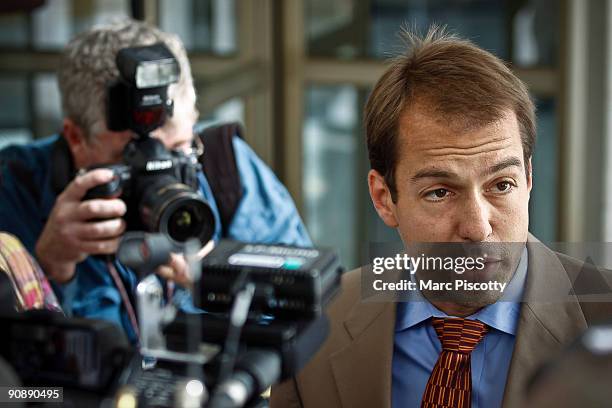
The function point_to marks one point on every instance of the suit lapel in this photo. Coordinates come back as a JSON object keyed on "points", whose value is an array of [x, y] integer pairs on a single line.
{"points": [[550, 318], [362, 370]]}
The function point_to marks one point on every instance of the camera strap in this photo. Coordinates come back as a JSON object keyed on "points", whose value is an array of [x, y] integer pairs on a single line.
{"points": [[219, 165], [124, 296]]}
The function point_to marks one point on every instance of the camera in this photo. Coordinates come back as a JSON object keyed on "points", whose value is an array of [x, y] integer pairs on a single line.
{"points": [[159, 186]]}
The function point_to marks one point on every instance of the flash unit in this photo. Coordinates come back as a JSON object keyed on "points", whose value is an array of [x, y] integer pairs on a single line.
{"points": [[152, 74], [138, 100]]}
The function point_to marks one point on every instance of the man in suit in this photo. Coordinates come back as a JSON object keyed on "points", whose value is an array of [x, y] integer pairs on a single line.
{"points": [[450, 134]]}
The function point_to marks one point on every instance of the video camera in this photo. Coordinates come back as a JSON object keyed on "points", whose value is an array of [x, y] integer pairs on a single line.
{"points": [[159, 186], [262, 320]]}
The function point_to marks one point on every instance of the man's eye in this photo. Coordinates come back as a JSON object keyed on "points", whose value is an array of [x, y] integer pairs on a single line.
{"points": [[503, 187], [437, 194]]}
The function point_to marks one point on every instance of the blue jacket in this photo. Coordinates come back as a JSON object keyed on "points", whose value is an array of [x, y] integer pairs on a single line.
{"points": [[265, 214]]}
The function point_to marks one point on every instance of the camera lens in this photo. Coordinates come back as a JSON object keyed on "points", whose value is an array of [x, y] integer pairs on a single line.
{"points": [[183, 222], [177, 211]]}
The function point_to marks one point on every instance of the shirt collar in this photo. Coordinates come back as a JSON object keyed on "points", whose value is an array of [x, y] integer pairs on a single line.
{"points": [[502, 315]]}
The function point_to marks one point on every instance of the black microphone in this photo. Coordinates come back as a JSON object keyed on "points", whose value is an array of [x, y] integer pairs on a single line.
{"points": [[255, 372]]}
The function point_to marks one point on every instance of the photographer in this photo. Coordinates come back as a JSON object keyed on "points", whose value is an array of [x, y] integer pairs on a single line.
{"points": [[43, 202]]}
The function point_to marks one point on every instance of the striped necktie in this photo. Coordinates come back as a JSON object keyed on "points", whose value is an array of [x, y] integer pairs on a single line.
{"points": [[450, 383]]}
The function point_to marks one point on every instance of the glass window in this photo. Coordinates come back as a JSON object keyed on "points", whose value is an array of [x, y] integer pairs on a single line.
{"points": [[543, 205], [15, 112], [14, 30], [330, 162], [52, 25], [207, 26], [31, 107], [524, 31], [47, 105], [14, 101]]}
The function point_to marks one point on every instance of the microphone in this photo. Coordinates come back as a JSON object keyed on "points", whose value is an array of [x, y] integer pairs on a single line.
{"points": [[255, 372]]}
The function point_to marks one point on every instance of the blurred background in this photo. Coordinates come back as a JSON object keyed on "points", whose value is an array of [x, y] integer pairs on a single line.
{"points": [[297, 74]]}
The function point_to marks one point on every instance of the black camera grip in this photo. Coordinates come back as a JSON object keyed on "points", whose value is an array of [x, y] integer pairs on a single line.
{"points": [[108, 190], [111, 189]]}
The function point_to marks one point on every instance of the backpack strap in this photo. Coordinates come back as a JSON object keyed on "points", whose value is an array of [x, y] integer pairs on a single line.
{"points": [[219, 165]]}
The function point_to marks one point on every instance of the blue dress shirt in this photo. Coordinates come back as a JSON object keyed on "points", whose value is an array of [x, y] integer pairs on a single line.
{"points": [[266, 214], [417, 347]]}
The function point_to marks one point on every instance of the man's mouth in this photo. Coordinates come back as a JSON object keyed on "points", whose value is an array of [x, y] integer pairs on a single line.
{"points": [[491, 259]]}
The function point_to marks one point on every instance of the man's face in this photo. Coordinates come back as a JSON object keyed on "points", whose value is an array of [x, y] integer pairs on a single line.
{"points": [[459, 185]]}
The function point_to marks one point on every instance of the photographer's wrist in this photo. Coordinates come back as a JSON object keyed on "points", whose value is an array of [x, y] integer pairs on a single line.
{"points": [[59, 272]]}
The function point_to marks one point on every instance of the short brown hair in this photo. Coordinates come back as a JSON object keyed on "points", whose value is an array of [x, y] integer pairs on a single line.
{"points": [[456, 79]]}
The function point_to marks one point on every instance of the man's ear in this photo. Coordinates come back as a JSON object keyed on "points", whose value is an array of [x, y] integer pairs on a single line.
{"points": [[381, 198], [77, 142]]}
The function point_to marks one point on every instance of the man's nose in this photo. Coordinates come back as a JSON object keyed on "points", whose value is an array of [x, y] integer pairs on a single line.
{"points": [[473, 219]]}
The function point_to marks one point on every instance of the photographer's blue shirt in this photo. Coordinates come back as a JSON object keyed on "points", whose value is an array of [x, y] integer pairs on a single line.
{"points": [[266, 214], [416, 346]]}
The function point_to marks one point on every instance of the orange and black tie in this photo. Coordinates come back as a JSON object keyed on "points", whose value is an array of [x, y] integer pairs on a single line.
{"points": [[450, 383]]}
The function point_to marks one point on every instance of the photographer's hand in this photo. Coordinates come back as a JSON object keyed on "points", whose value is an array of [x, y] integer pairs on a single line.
{"points": [[177, 269], [76, 229]]}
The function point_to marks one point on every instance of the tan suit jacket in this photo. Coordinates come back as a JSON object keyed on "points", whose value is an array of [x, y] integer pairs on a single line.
{"points": [[353, 367]]}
